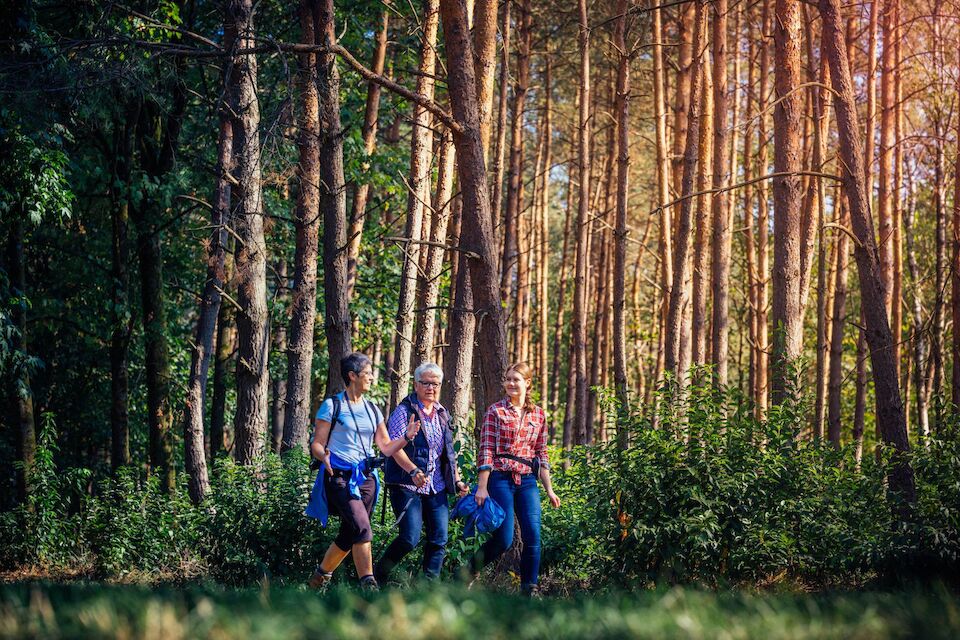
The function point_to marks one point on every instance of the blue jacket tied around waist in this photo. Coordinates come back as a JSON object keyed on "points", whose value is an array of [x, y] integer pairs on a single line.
{"points": [[359, 472], [478, 519]]}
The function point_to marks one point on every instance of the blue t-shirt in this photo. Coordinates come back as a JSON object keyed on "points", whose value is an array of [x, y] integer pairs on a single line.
{"points": [[352, 437]]}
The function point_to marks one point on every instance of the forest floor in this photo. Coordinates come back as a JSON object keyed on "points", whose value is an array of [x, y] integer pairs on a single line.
{"points": [[36, 609]]}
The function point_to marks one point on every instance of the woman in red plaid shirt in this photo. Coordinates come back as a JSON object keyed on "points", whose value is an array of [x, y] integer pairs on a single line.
{"points": [[513, 455]]}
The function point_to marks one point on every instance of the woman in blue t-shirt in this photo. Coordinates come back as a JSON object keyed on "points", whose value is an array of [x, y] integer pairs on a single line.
{"points": [[345, 447]]}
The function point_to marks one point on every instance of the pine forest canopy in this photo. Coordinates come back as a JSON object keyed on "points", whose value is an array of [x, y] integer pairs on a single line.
{"points": [[206, 205]]}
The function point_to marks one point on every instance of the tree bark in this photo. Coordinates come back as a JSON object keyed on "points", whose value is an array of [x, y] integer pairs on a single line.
{"points": [[889, 406], [701, 244], [681, 260], [303, 298], [21, 392], [333, 204], [477, 230], [226, 348], [834, 386], [371, 121], [620, 232], [787, 198], [421, 151], [198, 482], [955, 272], [278, 384], [250, 420], [665, 243], [720, 202]]}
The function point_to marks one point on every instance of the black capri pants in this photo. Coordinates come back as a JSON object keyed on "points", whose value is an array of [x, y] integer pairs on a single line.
{"points": [[354, 514]]}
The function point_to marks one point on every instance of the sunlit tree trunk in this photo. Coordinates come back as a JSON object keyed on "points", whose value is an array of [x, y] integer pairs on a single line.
{"points": [[620, 232], [701, 243], [665, 243]]}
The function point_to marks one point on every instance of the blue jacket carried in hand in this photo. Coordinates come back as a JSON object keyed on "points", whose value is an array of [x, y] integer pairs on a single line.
{"points": [[478, 519]]}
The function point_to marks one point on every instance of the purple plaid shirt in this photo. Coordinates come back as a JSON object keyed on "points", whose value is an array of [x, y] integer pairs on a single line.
{"points": [[433, 430]]}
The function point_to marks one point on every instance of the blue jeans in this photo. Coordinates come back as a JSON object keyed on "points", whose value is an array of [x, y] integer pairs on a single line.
{"points": [[430, 510], [522, 500]]}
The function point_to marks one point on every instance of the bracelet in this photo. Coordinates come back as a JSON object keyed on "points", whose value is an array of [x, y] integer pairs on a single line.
{"points": [[408, 438], [415, 471]]}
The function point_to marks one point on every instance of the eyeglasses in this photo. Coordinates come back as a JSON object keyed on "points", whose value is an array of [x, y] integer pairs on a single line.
{"points": [[430, 385]]}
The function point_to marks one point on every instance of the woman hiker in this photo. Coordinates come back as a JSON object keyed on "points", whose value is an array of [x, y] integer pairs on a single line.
{"points": [[512, 456], [421, 476], [346, 428]]}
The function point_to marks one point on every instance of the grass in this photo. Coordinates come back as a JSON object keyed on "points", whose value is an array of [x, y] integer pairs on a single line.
{"points": [[444, 611]]}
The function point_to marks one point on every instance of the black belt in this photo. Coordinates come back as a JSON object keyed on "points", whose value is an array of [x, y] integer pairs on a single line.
{"points": [[533, 463]]}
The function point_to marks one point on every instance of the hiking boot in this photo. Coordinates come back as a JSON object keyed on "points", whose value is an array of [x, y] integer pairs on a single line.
{"points": [[320, 580], [369, 583], [531, 591]]}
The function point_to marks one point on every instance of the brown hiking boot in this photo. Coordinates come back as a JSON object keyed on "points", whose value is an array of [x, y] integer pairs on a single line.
{"points": [[320, 579]]}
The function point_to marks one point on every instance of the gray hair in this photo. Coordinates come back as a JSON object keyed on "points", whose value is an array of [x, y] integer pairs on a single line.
{"points": [[427, 367]]}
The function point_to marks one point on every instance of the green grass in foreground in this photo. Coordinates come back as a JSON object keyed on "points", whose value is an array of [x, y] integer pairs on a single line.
{"points": [[44, 610]]}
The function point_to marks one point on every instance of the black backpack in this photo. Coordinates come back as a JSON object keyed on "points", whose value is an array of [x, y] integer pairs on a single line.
{"points": [[334, 417]]}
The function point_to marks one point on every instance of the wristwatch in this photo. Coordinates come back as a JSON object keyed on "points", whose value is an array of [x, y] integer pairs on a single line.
{"points": [[415, 471], [408, 438]]}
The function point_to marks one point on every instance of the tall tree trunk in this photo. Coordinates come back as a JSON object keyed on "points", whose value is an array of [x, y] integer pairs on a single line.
{"points": [[278, 384], [543, 254], [371, 120], [250, 421], [701, 243], [620, 233], [579, 407], [303, 312], [720, 203], [681, 260], [421, 151], [885, 168], [512, 212], [787, 198], [333, 200], [194, 451], [889, 405], [918, 339], [834, 386], [501, 140], [665, 243], [681, 105], [562, 292], [226, 348], [761, 379], [955, 271], [442, 205], [477, 231], [21, 393]]}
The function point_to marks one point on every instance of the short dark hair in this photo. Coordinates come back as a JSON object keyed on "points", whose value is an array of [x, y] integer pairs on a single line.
{"points": [[353, 363]]}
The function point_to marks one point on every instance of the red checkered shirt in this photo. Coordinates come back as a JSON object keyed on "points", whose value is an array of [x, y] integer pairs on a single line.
{"points": [[516, 432]]}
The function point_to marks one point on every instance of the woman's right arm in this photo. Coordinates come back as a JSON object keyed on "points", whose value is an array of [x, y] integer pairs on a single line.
{"points": [[318, 448], [488, 443]]}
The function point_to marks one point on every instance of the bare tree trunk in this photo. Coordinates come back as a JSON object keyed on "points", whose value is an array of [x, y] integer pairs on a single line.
{"points": [[701, 243], [955, 271], [919, 342], [562, 294], [720, 203], [685, 55], [20, 392], [423, 345], [477, 232], [515, 185], [226, 337], [620, 232], [749, 243], [761, 390], [787, 198], [665, 247], [278, 385], [485, 62], [501, 140], [834, 386], [421, 150], [194, 450], [307, 224], [579, 406], [543, 255], [890, 418], [333, 204], [681, 260], [884, 171], [361, 194], [250, 421]]}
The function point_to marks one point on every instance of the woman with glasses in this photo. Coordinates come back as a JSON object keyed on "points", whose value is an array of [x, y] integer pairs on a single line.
{"points": [[421, 476], [346, 428], [513, 456]]}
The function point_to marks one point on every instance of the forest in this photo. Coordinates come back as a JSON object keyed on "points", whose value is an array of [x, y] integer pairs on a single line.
{"points": [[723, 234]]}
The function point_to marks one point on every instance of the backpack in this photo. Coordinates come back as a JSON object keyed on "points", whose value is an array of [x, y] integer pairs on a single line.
{"points": [[334, 418]]}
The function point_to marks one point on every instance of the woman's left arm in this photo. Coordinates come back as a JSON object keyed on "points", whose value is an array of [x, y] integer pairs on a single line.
{"points": [[541, 453]]}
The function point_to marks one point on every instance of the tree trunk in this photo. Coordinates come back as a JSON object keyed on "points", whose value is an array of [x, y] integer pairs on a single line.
{"points": [[250, 421], [720, 203], [834, 386], [333, 203], [787, 198], [890, 418], [761, 379], [955, 271], [485, 63], [193, 413], [303, 311], [884, 171], [681, 260], [579, 407], [21, 392], [543, 255], [477, 230], [278, 385], [918, 339], [501, 142], [371, 121], [701, 244], [665, 244], [421, 151], [620, 232], [423, 346], [512, 212]]}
